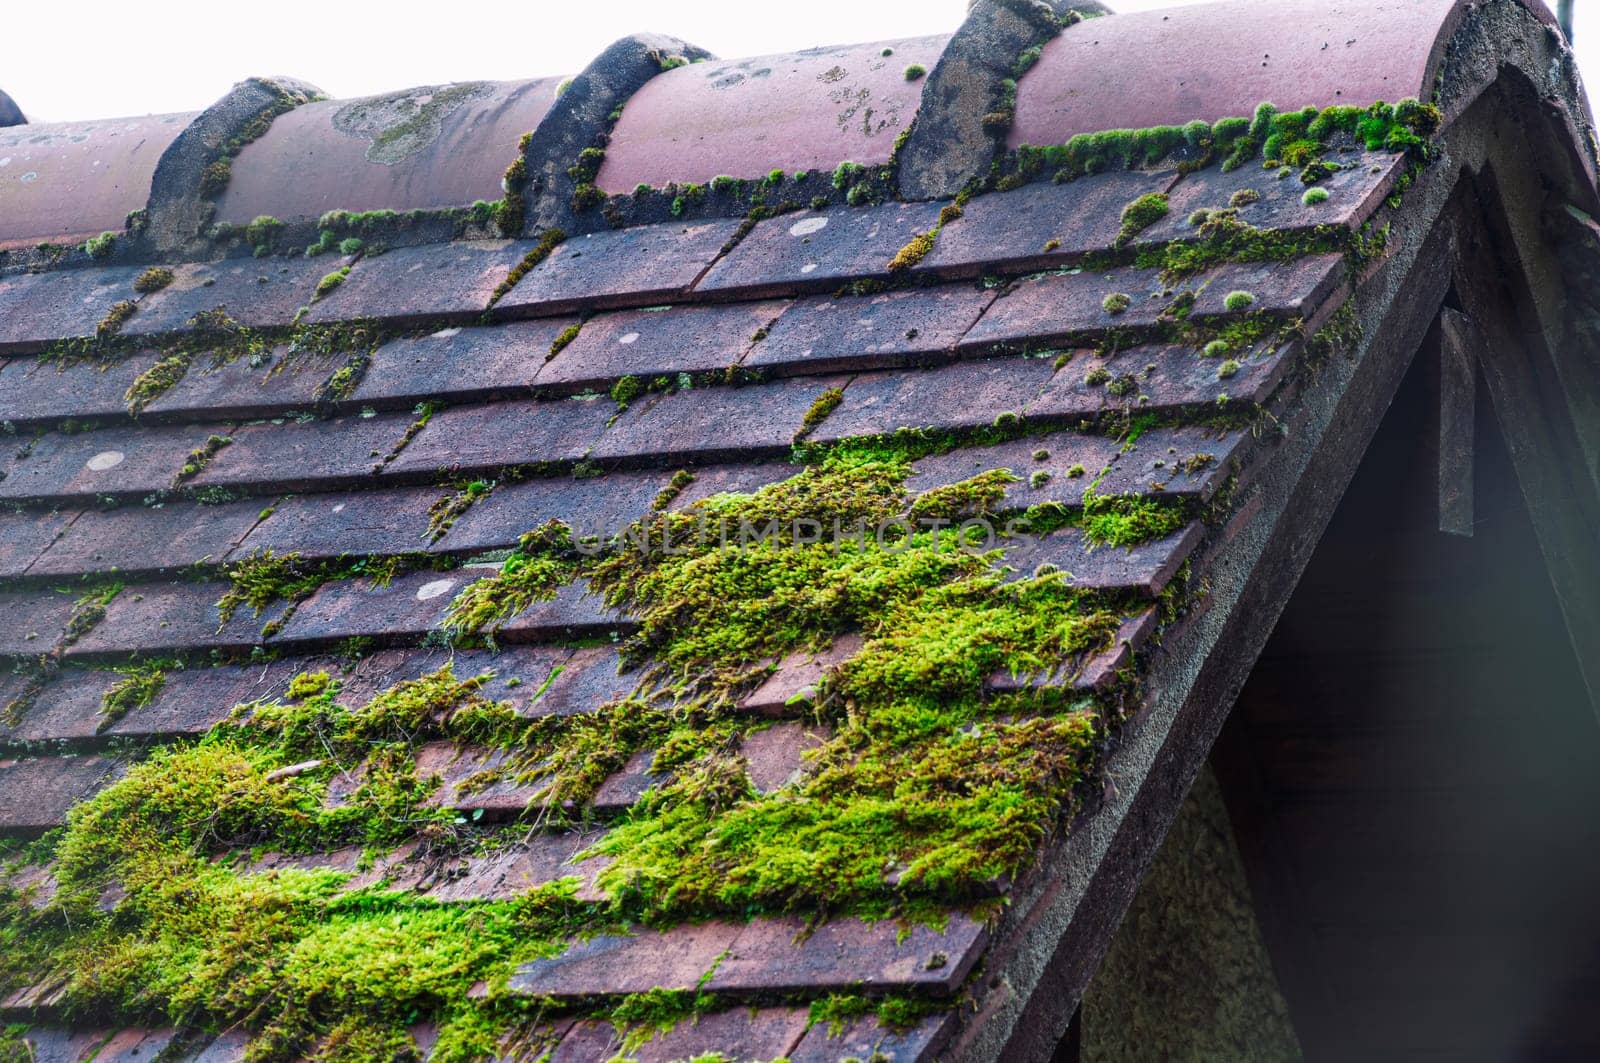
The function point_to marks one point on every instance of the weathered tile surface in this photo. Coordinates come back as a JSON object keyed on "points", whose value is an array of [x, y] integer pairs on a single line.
{"points": [[1144, 568], [459, 363], [652, 343], [465, 439], [963, 395], [381, 521], [766, 956], [743, 1035], [121, 462], [242, 388], [453, 281], [25, 535], [605, 964], [589, 679], [35, 620], [1156, 379], [864, 1038], [601, 506], [715, 423], [155, 618], [37, 308], [136, 539], [35, 793], [818, 250], [254, 292], [67, 707], [36, 391], [409, 605], [829, 333], [283, 455], [640, 266]]}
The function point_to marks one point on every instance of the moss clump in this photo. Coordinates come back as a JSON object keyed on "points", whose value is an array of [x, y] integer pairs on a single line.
{"points": [[153, 279], [548, 241], [1216, 349], [101, 246], [913, 252], [116, 316], [262, 233], [444, 512], [563, 338], [1116, 303], [1141, 214], [914, 71], [200, 456], [625, 390], [1227, 369], [1243, 198], [586, 195], [821, 407], [1237, 301], [330, 281], [140, 686], [156, 381], [538, 567], [1313, 196], [1097, 376], [1127, 520], [215, 177]]}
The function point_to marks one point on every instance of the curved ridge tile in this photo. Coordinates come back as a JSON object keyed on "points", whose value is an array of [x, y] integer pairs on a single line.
{"points": [[417, 149], [1220, 60], [67, 181], [807, 110]]}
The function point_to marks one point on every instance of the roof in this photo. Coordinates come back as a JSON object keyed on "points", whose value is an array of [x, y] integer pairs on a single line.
{"points": [[380, 677]]}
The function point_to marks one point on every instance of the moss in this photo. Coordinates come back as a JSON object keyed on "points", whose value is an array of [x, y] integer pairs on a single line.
{"points": [[1242, 198], [200, 456], [215, 177], [153, 279], [139, 686], [1097, 376], [1227, 369], [156, 381], [1237, 301], [1140, 214], [1116, 303], [351, 245], [565, 337], [330, 281], [1313, 196], [116, 316], [102, 246], [549, 240], [821, 407], [625, 390], [1216, 349], [913, 252], [914, 71], [1127, 520], [262, 233], [1075, 472], [444, 512]]}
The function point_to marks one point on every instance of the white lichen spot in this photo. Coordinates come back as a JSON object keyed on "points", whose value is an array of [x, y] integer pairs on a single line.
{"points": [[445, 333], [807, 226], [106, 459], [434, 588], [808, 267], [339, 508], [631, 337]]}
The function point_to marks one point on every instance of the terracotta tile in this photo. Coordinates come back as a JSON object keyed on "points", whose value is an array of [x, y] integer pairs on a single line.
{"points": [[286, 454], [793, 684], [142, 540], [740, 1034], [459, 364], [445, 281], [653, 343], [1164, 379], [775, 756], [483, 438], [36, 392], [36, 794], [135, 1046], [828, 333], [1353, 193], [194, 700], [1145, 568], [35, 621], [600, 506], [622, 789], [165, 617], [639, 266], [766, 957], [715, 423], [55, 1045], [254, 292], [384, 521], [242, 388], [588, 680], [863, 1038], [37, 308], [963, 395], [119, 462], [818, 250], [65, 708], [1006, 232], [1088, 671], [409, 606], [743, 478], [609, 964], [25, 535]]}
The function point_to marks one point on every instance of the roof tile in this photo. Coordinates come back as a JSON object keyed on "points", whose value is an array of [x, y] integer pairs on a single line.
{"points": [[612, 964], [740, 1034], [963, 395], [719, 423], [167, 617], [1164, 379], [287, 455], [36, 794], [256, 293], [827, 334], [459, 364], [242, 388], [408, 605], [1145, 568], [589, 679], [35, 620], [140, 540], [596, 505], [467, 439], [785, 955], [25, 535], [645, 343], [117, 462], [405, 284], [37, 391], [66, 708], [863, 1038], [818, 250], [383, 521], [639, 266], [39, 308]]}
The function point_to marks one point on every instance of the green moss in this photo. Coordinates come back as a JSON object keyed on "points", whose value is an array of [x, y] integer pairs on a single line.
{"points": [[1097, 376], [1216, 349], [330, 281], [116, 316], [200, 456], [1313, 196], [1242, 198], [625, 390], [1237, 301], [821, 407], [566, 336], [1127, 520], [549, 240], [444, 512], [914, 71], [1141, 214], [1116, 303], [140, 685], [1227, 369], [215, 177], [101, 246], [156, 381], [262, 233], [153, 279]]}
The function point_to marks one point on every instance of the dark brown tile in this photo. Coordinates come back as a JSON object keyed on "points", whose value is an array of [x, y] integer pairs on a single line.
{"points": [[152, 618], [254, 292], [963, 395], [466, 439], [785, 955], [287, 455], [864, 1038], [825, 334], [654, 343], [140, 540], [35, 794], [434, 281], [25, 535], [117, 462], [459, 364], [1144, 568], [705, 424]]}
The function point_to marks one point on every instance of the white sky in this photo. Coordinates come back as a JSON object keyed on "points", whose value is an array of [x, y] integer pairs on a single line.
{"points": [[77, 59]]}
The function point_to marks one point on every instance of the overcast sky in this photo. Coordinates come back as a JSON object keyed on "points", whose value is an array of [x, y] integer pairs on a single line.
{"points": [[76, 59]]}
